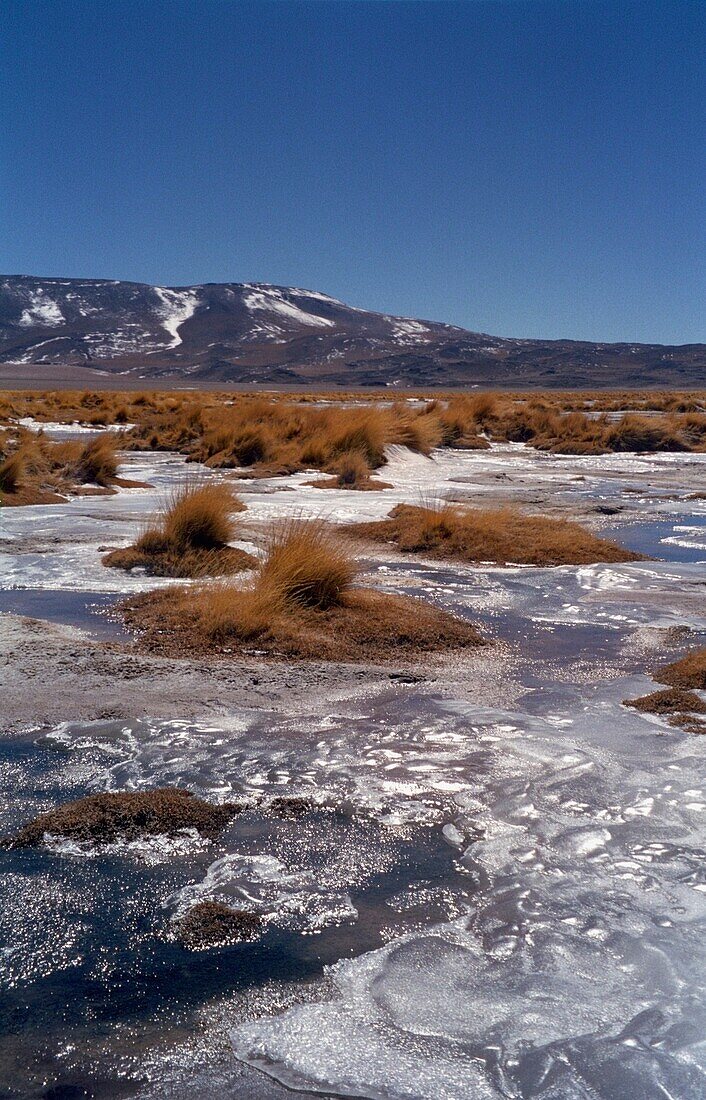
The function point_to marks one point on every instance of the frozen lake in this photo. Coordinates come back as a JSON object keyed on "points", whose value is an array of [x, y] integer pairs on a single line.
{"points": [[497, 894]]}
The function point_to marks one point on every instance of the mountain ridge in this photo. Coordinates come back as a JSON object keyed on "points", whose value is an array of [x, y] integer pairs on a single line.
{"points": [[265, 333]]}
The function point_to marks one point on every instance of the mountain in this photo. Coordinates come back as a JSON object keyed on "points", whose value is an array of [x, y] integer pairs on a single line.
{"points": [[257, 333]]}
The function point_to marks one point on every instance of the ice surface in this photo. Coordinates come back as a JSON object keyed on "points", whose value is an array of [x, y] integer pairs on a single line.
{"points": [[586, 933], [552, 944]]}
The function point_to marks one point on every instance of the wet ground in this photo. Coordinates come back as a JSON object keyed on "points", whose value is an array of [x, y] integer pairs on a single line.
{"points": [[499, 888]]}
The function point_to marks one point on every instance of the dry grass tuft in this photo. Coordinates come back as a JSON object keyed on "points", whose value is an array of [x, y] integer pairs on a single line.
{"points": [[98, 461], [11, 472], [351, 472], [502, 536], [300, 605], [191, 538], [306, 564], [199, 517]]}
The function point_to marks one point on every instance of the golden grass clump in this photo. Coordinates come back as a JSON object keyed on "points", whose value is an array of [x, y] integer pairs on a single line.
{"points": [[307, 564], [98, 461], [502, 536], [191, 537], [11, 471], [301, 604], [351, 471]]}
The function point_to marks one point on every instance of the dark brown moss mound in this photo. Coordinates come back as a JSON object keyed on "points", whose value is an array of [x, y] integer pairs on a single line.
{"points": [[128, 815], [689, 723], [182, 564], [689, 672], [211, 924], [363, 626], [669, 701], [502, 536], [363, 485]]}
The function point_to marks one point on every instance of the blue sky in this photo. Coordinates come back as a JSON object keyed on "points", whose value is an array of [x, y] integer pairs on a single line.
{"points": [[524, 168]]}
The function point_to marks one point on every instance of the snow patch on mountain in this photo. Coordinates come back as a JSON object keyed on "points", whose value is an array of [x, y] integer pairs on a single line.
{"points": [[407, 332], [41, 310], [177, 306], [271, 300]]}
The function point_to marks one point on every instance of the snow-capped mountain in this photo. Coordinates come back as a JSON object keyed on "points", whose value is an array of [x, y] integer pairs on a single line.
{"points": [[255, 332]]}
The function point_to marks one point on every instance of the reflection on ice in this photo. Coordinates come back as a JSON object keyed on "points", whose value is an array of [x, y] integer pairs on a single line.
{"points": [[534, 871], [582, 956]]}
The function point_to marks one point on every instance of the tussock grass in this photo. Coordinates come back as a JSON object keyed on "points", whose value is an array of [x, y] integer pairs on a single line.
{"points": [[301, 604], [98, 461], [669, 701], [11, 471], [308, 564], [190, 539], [351, 472], [284, 433], [689, 672], [502, 536]]}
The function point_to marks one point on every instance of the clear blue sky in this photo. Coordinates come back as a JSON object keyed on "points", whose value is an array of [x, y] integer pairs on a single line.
{"points": [[526, 169]]}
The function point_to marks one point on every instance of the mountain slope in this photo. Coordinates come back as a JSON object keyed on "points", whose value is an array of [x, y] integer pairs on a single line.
{"points": [[254, 332]]}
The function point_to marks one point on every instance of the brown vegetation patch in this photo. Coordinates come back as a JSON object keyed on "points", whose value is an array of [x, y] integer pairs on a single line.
{"points": [[499, 535], [300, 605], [689, 672], [352, 472], [128, 815], [669, 701], [212, 924], [190, 538], [363, 626], [283, 433], [38, 470]]}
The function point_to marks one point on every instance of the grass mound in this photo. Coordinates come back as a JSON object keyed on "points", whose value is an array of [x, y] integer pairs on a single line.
{"points": [[669, 701], [191, 537], [128, 815], [302, 604], [212, 924], [689, 672], [500, 535], [98, 461], [351, 471]]}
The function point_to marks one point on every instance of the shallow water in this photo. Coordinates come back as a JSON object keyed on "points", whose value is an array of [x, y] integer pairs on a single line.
{"points": [[482, 902]]}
